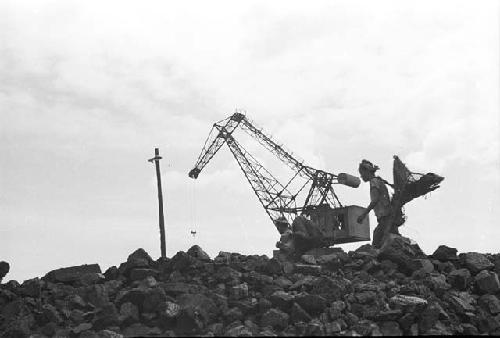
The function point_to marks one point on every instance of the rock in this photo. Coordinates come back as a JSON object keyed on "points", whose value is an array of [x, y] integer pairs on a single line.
{"points": [[462, 302], [307, 269], [445, 253], [264, 305], [142, 273], [444, 267], [283, 282], [423, 265], [178, 288], [273, 267], [401, 251], [139, 258], [274, 318], [238, 291], [365, 327], [81, 327], [223, 258], [105, 317], [91, 278], [183, 261], [147, 283], [171, 310], [368, 249], [198, 253], [32, 288], [4, 269], [97, 295], [327, 287], [315, 328], [429, 317], [232, 315], [112, 273], [49, 314], [238, 331], [196, 312], [390, 328], [388, 315], [298, 314], [459, 279], [332, 328], [332, 260], [226, 274], [469, 329], [313, 304], [309, 259], [109, 334], [282, 300], [141, 330], [487, 282], [129, 313], [475, 262], [490, 303], [153, 298], [71, 274], [407, 302], [437, 283]]}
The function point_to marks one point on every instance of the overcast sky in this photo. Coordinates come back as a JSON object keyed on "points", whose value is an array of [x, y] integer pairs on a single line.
{"points": [[89, 88]]}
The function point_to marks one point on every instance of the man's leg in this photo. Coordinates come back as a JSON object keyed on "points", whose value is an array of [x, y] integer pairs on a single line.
{"points": [[378, 234]]}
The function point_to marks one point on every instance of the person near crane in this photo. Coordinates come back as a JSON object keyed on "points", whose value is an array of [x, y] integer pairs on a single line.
{"points": [[380, 203]]}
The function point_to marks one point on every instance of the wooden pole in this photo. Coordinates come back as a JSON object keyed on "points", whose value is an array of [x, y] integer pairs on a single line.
{"points": [[156, 160]]}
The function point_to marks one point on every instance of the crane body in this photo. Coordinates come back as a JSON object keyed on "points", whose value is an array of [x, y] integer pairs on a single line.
{"points": [[321, 205]]}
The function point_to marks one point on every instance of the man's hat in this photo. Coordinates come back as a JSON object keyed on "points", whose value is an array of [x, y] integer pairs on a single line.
{"points": [[367, 165]]}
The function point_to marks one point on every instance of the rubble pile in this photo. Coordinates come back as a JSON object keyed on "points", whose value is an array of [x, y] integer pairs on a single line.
{"points": [[397, 290]]}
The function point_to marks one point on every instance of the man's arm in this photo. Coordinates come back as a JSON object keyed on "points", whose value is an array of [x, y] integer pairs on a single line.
{"points": [[374, 195]]}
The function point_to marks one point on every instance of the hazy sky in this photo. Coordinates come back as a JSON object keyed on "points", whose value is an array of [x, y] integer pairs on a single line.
{"points": [[89, 88]]}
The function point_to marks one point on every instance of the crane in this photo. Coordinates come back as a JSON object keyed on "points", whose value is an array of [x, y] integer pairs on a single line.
{"points": [[321, 203]]}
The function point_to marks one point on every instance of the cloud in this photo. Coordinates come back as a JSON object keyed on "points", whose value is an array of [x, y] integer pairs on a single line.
{"points": [[95, 86]]}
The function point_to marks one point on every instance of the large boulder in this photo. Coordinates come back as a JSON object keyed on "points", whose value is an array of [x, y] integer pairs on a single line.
{"points": [[71, 274], [445, 253], [475, 262], [402, 251]]}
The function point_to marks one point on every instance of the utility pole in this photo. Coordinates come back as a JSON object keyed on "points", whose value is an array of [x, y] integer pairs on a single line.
{"points": [[156, 160]]}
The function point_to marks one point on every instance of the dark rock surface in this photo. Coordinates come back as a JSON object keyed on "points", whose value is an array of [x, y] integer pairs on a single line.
{"points": [[394, 291]]}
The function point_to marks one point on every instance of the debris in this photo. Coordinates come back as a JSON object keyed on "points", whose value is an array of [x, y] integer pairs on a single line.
{"points": [[252, 295]]}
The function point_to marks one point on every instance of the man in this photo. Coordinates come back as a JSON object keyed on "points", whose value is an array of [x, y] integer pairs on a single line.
{"points": [[380, 204]]}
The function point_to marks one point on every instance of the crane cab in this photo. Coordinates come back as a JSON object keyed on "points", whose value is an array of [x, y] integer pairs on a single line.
{"points": [[340, 225]]}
